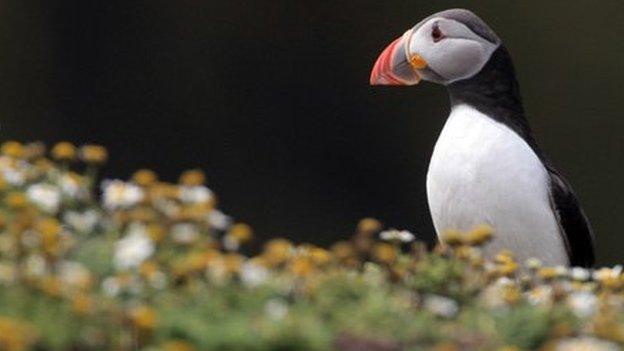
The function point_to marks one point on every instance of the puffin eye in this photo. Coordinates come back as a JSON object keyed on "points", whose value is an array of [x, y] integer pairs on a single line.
{"points": [[436, 33]]}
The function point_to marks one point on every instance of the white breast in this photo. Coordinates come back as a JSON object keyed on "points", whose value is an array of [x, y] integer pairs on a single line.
{"points": [[483, 172]]}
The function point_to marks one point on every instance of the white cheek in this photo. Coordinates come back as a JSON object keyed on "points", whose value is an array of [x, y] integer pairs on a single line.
{"points": [[453, 58], [456, 59]]}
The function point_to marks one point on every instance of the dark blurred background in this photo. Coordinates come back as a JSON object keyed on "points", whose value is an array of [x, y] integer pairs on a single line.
{"points": [[271, 99]]}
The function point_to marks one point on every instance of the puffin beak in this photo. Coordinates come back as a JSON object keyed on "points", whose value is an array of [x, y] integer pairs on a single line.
{"points": [[396, 65]]}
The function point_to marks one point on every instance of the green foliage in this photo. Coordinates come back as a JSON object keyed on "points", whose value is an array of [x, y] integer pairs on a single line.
{"points": [[156, 267]]}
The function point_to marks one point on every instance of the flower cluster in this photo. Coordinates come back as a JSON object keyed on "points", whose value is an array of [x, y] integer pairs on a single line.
{"points": [[145, 264]]}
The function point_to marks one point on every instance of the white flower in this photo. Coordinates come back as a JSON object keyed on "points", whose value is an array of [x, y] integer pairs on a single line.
{"points": [[580, 274], [583, 303], [219, 220], [586, 343], [74, 274], [441, 306], [504, 282], [36, 265], [253, 274], [134, 248], [83, 222], [493, 295], [533, 263], [168, 207], [230, 243], [607, 273], [119, 194], [540, 295], [45, 196], [14, 176], [111, 286], [397, 235], [184, 233], [276, 309], [70, 187], [195, 194], [561, 271]]}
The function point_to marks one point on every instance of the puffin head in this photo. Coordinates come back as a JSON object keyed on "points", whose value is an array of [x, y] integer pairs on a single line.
{"points": [[444, 48]]}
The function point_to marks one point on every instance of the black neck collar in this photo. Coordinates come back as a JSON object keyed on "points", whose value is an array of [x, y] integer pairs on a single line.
{"points": [[495, 92]]}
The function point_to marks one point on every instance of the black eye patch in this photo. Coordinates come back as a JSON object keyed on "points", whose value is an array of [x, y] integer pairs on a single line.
{"points": [[436, 33]]}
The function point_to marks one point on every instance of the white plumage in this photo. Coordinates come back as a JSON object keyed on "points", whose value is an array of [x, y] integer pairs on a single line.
{"points": [[483, 172]]}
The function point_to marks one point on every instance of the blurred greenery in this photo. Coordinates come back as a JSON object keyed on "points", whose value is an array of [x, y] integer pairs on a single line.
{"points": [[150, 265]]}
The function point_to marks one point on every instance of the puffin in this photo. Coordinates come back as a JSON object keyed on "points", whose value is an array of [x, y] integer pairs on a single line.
{"points": [[486, 167]]}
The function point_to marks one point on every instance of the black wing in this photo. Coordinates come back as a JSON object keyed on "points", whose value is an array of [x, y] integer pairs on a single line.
{"points": [[575, 228]]}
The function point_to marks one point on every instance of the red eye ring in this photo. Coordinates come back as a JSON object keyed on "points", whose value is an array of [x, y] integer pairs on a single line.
{"points": [[436, 33]]}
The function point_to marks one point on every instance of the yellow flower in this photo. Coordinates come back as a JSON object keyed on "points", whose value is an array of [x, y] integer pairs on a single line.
{"points": [[211, 255], [508, 268], [343, 250], [194, 212], [610, 278], [369, 225], [49, 229], [277, 251], [452, 238], [505, 256], [93, 154], [198, 261], [34, 151], [178, 345], [547, 273], [148, 269], [156, 232], [301, 266], [511, 294], [232, 262], [64, 151], [16, 200], [82, 304], [385, 253], [145, 177], [144, 318], [193, 177], [464, 252], [606, 326], [479, 235], [51, 286], [161, 190], [241, 232], [12, 149], [320, 256], [44, 164], [16, 335]]}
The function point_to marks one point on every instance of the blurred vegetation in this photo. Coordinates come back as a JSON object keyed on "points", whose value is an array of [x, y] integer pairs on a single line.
{"points": [[149, 265]]}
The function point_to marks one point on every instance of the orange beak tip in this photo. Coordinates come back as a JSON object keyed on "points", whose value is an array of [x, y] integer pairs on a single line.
{"points": [[394, 67]]}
